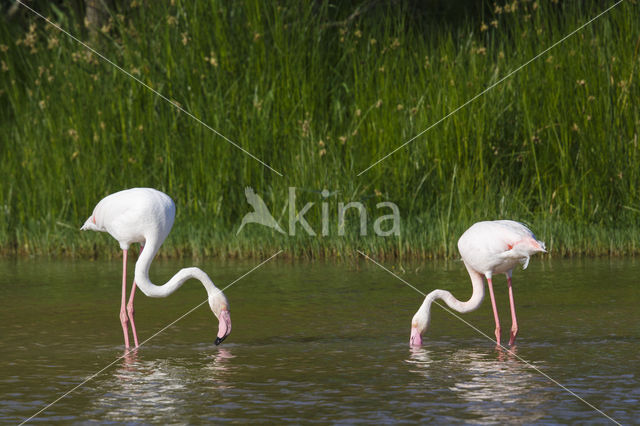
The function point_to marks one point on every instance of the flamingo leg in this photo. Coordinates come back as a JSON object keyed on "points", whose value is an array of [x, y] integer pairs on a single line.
{"points": [[131, 313], [123, 307], [514, 321], [495, 311], [131, 310]]}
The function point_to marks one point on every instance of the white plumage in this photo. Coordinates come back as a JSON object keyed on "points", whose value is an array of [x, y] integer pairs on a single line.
{"points": [[495, 247]]}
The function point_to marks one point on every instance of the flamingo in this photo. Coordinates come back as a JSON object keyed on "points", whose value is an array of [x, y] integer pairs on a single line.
{"points": [[145, 216], [487, 248]]}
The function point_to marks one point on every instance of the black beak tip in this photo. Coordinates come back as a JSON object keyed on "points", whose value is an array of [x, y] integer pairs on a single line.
{"points": [[219, 340]]}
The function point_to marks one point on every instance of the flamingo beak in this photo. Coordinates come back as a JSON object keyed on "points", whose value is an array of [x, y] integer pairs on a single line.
{"points": [[224, 327], [416, 338]]}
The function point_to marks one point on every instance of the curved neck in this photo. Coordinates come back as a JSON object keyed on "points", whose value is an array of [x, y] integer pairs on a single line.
{"points": [[470, 305], [150, 289]]}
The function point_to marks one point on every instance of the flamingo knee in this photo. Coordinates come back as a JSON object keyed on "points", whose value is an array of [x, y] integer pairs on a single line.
{"points": [[130, 311], [124, 319]]}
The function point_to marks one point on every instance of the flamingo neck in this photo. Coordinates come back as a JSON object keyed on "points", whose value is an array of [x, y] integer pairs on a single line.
{"points": [[424, 313], [150, 289]]}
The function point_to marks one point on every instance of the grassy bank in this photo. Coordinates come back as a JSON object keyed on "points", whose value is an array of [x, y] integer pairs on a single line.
{"points": [[320, 94]]}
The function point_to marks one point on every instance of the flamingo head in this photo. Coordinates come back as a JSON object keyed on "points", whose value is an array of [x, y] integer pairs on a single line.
{"points": [[419, 325], [531, 246], [220, 307], [90, 224]]}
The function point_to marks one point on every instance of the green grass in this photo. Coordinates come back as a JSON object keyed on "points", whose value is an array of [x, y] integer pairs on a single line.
{"points": [[555, 145]]}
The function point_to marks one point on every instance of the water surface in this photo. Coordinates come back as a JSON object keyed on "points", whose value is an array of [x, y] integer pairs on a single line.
{"points": [[319, 342]]}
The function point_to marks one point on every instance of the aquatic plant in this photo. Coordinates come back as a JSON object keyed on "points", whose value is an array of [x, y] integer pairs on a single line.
{"points": [[320, 96]]}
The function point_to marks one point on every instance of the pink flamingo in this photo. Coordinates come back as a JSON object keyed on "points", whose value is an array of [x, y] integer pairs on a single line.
{"points": [[487, 248], [145, 216]]}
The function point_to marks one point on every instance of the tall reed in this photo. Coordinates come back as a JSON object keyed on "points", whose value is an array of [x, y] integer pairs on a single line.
{"points": [[320, 97]]}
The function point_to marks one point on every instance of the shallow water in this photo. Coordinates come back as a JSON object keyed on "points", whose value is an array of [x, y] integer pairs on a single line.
{"points": [[319, 342]]}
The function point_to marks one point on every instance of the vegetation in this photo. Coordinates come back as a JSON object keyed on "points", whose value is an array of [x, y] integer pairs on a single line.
{"points": [[320, 93]]}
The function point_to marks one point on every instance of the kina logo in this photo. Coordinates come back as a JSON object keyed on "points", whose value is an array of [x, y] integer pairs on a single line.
{"points": [[260, 214]]}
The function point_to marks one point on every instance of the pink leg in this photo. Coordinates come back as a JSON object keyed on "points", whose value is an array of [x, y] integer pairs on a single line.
{"points": [[514, 321], [131, 311], [123, 312], [495, 311]]}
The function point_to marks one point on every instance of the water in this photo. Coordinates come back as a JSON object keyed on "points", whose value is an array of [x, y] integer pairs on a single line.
{"points": [[319, 342]]}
